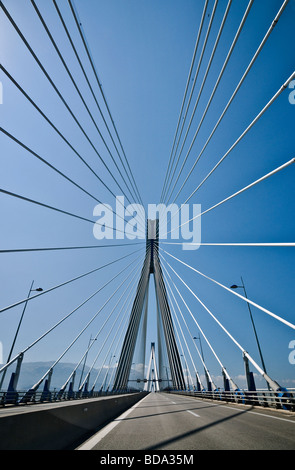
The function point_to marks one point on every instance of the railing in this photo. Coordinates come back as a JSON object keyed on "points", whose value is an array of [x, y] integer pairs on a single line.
{"points": [[284, 399], [35, 397]]}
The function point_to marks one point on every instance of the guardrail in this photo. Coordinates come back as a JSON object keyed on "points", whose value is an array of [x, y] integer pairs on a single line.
{"points": [[284, 399], [33, 397]]}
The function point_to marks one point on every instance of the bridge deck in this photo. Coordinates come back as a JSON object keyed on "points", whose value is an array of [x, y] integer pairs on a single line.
{"points": [[170, 422]]}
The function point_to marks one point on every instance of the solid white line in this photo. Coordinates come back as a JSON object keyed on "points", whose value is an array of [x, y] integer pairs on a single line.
{"points": [[192, 413], [252, 412], [270, 416], [94, 440]]}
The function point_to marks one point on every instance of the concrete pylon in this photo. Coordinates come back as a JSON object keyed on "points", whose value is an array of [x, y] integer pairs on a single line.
{"points": [[151, 265]]}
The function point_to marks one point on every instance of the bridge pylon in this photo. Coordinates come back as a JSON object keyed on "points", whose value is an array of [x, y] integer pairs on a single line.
{"points": [[151, 265]]}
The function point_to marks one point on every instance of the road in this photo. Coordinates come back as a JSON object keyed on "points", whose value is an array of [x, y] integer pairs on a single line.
{"points": [[172, 422]]}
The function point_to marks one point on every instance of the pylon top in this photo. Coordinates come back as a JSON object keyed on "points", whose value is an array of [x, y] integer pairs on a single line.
{"points": [[153, 229]]}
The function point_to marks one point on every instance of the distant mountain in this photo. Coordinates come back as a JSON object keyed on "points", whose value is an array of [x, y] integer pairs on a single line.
{"points": [[31, 372]]}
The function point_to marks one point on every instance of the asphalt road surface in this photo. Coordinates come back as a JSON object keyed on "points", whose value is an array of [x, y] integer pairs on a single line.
{"points": [[172, 422]]}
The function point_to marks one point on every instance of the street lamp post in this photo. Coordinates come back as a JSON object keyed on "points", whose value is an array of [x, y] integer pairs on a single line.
{"points": [[39, 289], [82, 372], [199, 338], [234, 286], [209, 383], [109, 366], [167, 377], [182, 355]]}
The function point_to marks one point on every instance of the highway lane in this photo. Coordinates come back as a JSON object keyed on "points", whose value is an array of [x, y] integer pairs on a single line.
{"points": [[172, 422]]}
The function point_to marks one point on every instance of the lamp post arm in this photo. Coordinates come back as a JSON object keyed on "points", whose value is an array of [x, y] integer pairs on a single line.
{"points": [[254, 328]]}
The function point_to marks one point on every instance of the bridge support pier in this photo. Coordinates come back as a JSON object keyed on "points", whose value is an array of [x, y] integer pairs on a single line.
{"points": [[249, 376], [11, 396], [46, 394], [71, 386], [225, 382], [211, 387], [85, 392], [251, 398], [199, 388]]}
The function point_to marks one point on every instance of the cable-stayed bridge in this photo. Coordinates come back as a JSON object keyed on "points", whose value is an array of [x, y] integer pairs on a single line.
{"points": [[155, 310]]}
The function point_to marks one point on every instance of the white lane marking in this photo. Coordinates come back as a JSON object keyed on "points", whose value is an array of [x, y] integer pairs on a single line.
{"points": [[192, 413], [94, 440], [274, 417], [252, 412]]}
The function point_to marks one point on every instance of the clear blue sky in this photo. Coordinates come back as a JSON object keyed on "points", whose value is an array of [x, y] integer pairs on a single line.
{"points": [[142, 51]]}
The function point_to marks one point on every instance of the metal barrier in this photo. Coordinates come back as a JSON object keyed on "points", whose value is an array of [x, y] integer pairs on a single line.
{"points": [[282, 399], [34, 397]]}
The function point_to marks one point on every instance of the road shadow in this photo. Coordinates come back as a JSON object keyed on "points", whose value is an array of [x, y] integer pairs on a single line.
{"points": [[163, 444], [192, 408]]}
